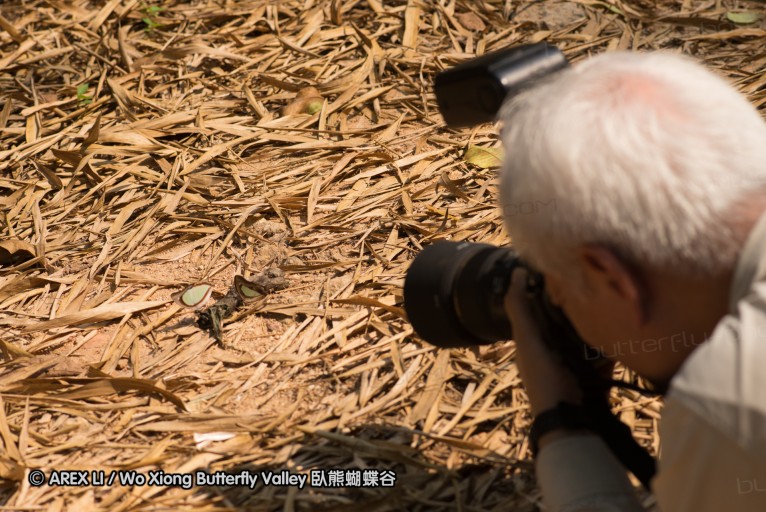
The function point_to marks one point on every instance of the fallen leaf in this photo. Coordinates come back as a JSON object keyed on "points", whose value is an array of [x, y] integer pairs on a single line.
{"points": [[471, 21], [484, 157], [14, 251], [308, 101], [742, 18], [101, 313], [203, 439]]}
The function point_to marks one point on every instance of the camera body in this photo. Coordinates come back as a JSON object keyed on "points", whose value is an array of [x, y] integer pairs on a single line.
{"points": [[454, 295]]}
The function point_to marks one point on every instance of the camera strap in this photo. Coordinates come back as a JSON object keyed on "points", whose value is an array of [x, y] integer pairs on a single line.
{"points": [[588, 368]]}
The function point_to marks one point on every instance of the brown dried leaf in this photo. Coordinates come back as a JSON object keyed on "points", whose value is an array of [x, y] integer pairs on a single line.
{"points": [[486, 158], [308, 101], [412, 15], [14, 251], [471, 21], [95, 315]]}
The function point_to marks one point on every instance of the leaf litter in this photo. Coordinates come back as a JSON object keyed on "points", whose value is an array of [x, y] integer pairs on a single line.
{"points": [[149, 146]]}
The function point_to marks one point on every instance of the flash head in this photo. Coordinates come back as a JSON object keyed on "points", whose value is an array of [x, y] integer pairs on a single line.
{"points": [[472, 93]]}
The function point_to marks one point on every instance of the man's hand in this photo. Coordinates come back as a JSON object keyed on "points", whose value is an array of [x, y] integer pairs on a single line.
{"points": [[547, 382]]}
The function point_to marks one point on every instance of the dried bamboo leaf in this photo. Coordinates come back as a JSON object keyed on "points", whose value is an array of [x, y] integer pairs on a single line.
{"points": [[437, 376], [486, 158], [411, 24], [95, 315], [14, 251], [471, 21]]}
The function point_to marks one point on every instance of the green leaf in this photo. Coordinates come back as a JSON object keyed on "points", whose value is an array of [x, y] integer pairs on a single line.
{"points": [[150, 24], [742, 18], [484, 157], [84, 98]]}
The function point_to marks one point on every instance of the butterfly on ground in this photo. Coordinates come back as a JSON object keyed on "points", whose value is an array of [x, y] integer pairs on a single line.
{"points": [[246, 289], [194, 296]]}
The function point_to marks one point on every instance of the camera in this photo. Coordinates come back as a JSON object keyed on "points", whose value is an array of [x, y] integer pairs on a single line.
{"points": [[454, 292], [454, 295]]}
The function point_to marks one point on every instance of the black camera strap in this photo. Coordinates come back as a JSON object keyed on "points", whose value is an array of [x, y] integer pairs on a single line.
{"points": [[588, 366], [620, 440]]}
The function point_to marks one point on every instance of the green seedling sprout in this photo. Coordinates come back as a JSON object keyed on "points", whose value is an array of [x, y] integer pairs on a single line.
{"points": [[151, 11], [82, 94]]}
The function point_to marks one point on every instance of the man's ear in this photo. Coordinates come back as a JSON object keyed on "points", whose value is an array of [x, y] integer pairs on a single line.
{"points": [[607, 273]]}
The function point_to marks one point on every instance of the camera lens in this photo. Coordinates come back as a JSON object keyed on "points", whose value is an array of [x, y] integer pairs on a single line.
{"points": [[454, 293]]}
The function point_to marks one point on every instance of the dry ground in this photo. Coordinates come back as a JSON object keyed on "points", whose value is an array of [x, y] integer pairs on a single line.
{"points": [[148, 145]]}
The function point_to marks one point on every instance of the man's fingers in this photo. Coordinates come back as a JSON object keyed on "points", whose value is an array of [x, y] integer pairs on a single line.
{"points": [[517, 307], [519, 280], [546, 381], [517, 293]]}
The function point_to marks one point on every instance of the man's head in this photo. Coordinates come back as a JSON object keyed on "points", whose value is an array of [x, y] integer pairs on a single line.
{"points": [[631, 181]]}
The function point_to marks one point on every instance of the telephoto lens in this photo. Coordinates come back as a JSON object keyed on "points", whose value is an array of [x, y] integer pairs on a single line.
{"points": [[454, 293]]}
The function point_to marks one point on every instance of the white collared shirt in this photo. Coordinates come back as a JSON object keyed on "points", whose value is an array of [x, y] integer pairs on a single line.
{"points": [[713, 426]]}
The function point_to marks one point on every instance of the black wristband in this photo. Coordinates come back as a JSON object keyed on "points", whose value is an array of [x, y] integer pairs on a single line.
{"points": [[563, 416]]}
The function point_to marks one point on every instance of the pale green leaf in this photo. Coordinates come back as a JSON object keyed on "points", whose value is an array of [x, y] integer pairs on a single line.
{"points": [[742, 18]]}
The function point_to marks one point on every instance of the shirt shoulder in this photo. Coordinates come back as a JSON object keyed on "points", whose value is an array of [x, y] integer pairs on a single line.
{"points": [[702, 469], [724, 379]]}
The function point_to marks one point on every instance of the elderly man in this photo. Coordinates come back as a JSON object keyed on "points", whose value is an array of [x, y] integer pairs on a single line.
{"points": [[654, 173]]}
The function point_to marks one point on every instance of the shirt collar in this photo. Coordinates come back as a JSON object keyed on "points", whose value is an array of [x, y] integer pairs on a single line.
{"points": [[750, 265]]}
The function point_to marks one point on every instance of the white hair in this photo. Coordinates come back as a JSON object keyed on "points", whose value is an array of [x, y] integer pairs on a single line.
{"points": [[645, 153]]}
